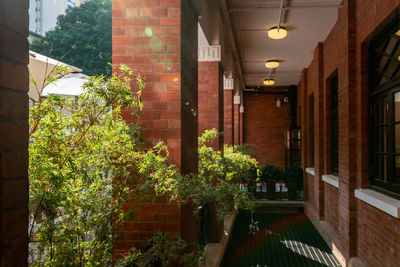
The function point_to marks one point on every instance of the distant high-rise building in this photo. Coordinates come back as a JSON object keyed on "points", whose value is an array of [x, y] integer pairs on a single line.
{"points": [[79, 2], [71, 3], [43, 14]]}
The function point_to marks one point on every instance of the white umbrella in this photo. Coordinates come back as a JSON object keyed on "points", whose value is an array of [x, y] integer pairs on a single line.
{"points": [[40, 67], [70, 85]]}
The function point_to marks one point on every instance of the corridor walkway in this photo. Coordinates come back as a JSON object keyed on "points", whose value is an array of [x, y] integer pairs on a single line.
{"points": [[282, 241]]}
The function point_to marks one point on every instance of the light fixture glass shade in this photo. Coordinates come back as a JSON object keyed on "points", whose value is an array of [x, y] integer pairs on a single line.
{"points": [[272, 64], [269, 82], [276, 34]]}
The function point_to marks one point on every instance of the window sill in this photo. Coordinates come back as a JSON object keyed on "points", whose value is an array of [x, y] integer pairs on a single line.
{"points": [[380, 201], [331, 179], [310, 171]]}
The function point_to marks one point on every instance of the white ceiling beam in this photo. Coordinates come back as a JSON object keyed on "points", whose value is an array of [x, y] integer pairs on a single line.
{"points": [[294, 6], [236, 54]]}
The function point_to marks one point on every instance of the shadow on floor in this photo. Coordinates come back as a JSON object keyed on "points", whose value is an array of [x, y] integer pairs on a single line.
{"points": [[283, 240]]}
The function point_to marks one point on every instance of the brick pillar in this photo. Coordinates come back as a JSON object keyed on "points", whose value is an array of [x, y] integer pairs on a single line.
{"points": [[228, 111], [303, 97], [211, 93], [319, 108], [241, 124], [14, 84], [236, 120], [347, 219], [159, 39]]}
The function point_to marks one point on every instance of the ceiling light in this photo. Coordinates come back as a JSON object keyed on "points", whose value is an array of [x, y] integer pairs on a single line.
{"points": [[272, 64], [269, 82], [276, 34]]}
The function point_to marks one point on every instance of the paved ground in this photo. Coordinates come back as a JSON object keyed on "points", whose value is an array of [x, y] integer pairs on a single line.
{"points": [[282, 241]]}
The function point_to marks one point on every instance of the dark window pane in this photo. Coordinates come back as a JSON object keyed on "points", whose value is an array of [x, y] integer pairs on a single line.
{"points": [[397, 138], [311, 129], [382, 168], [397, 106], [383, 135], [334, 124], [397, 171], [379, 136], [382, 63], [392, 67], [385, 110]]}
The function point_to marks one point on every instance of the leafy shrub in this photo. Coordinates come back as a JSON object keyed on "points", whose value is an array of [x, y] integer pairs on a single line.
{"points": [[294, 174], [270, 172], [86, 164], [83, 160]]}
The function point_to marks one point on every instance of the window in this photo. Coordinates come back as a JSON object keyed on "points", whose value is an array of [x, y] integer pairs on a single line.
{"points": [[385, 112], [333, 82], [311, 129]]}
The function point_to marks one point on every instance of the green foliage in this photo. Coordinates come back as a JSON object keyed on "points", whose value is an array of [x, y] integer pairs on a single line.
{"points": [[294, 174], [81, 38], [83, 159], [270, 172], [231, 165], [163, 249], [219, 176], [83, 162]]}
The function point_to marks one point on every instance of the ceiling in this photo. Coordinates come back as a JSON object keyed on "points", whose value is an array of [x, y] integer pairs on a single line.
{"points": [[308, 22]]}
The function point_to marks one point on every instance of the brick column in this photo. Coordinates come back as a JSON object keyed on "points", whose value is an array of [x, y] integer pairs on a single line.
{"points": [[241, 124], [236, 120], [319, 111], [228, 111], [347, 219], [159, 39], [303, 97], [14, 85], [211, 92]]}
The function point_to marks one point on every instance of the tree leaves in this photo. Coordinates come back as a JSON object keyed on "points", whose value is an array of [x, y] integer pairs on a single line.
{"points": [[82, 38]]}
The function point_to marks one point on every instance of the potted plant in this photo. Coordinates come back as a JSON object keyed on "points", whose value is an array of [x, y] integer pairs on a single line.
{"points": [[270, 175], [293, 175], [251, 178]]}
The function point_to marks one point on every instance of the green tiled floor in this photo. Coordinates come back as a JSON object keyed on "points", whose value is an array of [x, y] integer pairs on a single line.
{"points": [[282, 241]]}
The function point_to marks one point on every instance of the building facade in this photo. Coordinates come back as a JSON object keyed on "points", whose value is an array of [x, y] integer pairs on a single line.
{"points": [[43, 14], [348, 106], [347, 110], [350, 161]]}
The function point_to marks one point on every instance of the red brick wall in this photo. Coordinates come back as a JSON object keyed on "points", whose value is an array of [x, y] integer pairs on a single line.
{"points": [[355, 229], [236, 124], [378, 243], [156, 38], [14, 84], [228, 117], [211, 105], [264, 127], [331, 206], [241, 127]]}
